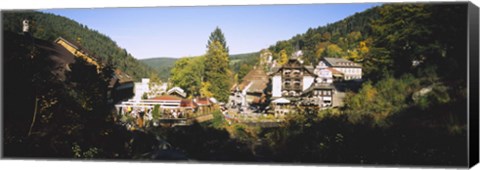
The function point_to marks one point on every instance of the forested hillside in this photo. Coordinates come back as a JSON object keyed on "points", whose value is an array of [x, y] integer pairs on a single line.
{"points": [[162, 65], [411, 107], [49, 27]]}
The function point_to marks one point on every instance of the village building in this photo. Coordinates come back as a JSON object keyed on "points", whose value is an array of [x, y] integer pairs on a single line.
{"points": [[281, 106], [324, 75], [205, 104], [148, 89], [120, 86], [251, 91], [348, 69], [78, 51], [291, 79], [319, 95], [188, 106], [294, 85], [141, 88]]}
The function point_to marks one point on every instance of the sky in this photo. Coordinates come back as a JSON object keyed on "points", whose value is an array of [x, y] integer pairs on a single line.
{"points": [[175, 32]]}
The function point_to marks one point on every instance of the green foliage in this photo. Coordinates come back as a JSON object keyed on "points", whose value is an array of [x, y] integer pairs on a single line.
{"points": [[162, 66], [244, 69], [217, 35], [127, 118], [187, 73], [156, 113], [217, 71], [334, 51], [241, 64], [218, 121], [381, 100], [88, 154], [145, 96]]}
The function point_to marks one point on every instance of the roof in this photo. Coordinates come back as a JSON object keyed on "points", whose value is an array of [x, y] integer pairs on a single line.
{"points": [[310, 68], [55, 50], [119, 77], [77, 47], [122, 77], [257, 79], [291, 63], [177, 90], [188, 103], [213, 100], [167, 97], [59, 56], [340, 62], [281, 100], [318, 86], [202, 101], [334, 71]]}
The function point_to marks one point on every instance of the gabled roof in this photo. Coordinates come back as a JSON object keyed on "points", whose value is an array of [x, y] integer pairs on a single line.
{"points": [[77, 47], [318, 86], [334, 71], [202, 101], [56, 50], [119, 77], [340, 62], [256, 81], [277, 70], [177, 90]]}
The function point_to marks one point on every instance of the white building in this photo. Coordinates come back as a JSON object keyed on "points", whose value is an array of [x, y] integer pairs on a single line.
{"points": [[349, 69], [291, 79], [141, 88], [146, 87]]}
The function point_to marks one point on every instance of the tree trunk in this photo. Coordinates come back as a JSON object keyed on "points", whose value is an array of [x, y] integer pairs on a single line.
{"points": [[34, 116]]}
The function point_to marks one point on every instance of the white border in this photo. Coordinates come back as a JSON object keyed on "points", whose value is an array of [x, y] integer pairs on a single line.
{"points": [[120, 165]]}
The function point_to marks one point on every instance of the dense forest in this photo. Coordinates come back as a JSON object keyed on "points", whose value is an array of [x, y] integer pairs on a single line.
{"points": [[404, 113], [49, 27]]}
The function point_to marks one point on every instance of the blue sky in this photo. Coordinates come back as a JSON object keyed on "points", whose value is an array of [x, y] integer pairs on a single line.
{"points": [[184, 31]]}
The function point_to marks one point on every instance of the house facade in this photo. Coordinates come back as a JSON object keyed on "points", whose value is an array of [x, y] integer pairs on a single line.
{"points": [[318, 95], [348, 69], [291, 79]]}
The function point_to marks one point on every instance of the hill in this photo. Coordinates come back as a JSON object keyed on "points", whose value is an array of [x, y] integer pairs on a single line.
{"points": [[161, 65], [49, 27]]}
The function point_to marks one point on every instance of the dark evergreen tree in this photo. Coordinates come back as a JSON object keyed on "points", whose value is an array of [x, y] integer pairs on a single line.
{"points": [[217, 35]]}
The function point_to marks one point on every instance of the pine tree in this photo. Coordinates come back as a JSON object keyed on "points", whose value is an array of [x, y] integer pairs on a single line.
{"points": [[217, 71], [217, 35]]}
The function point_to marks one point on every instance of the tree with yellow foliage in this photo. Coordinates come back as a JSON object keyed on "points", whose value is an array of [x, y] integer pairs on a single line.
{"points": [[204, 91], [283, 57]]}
